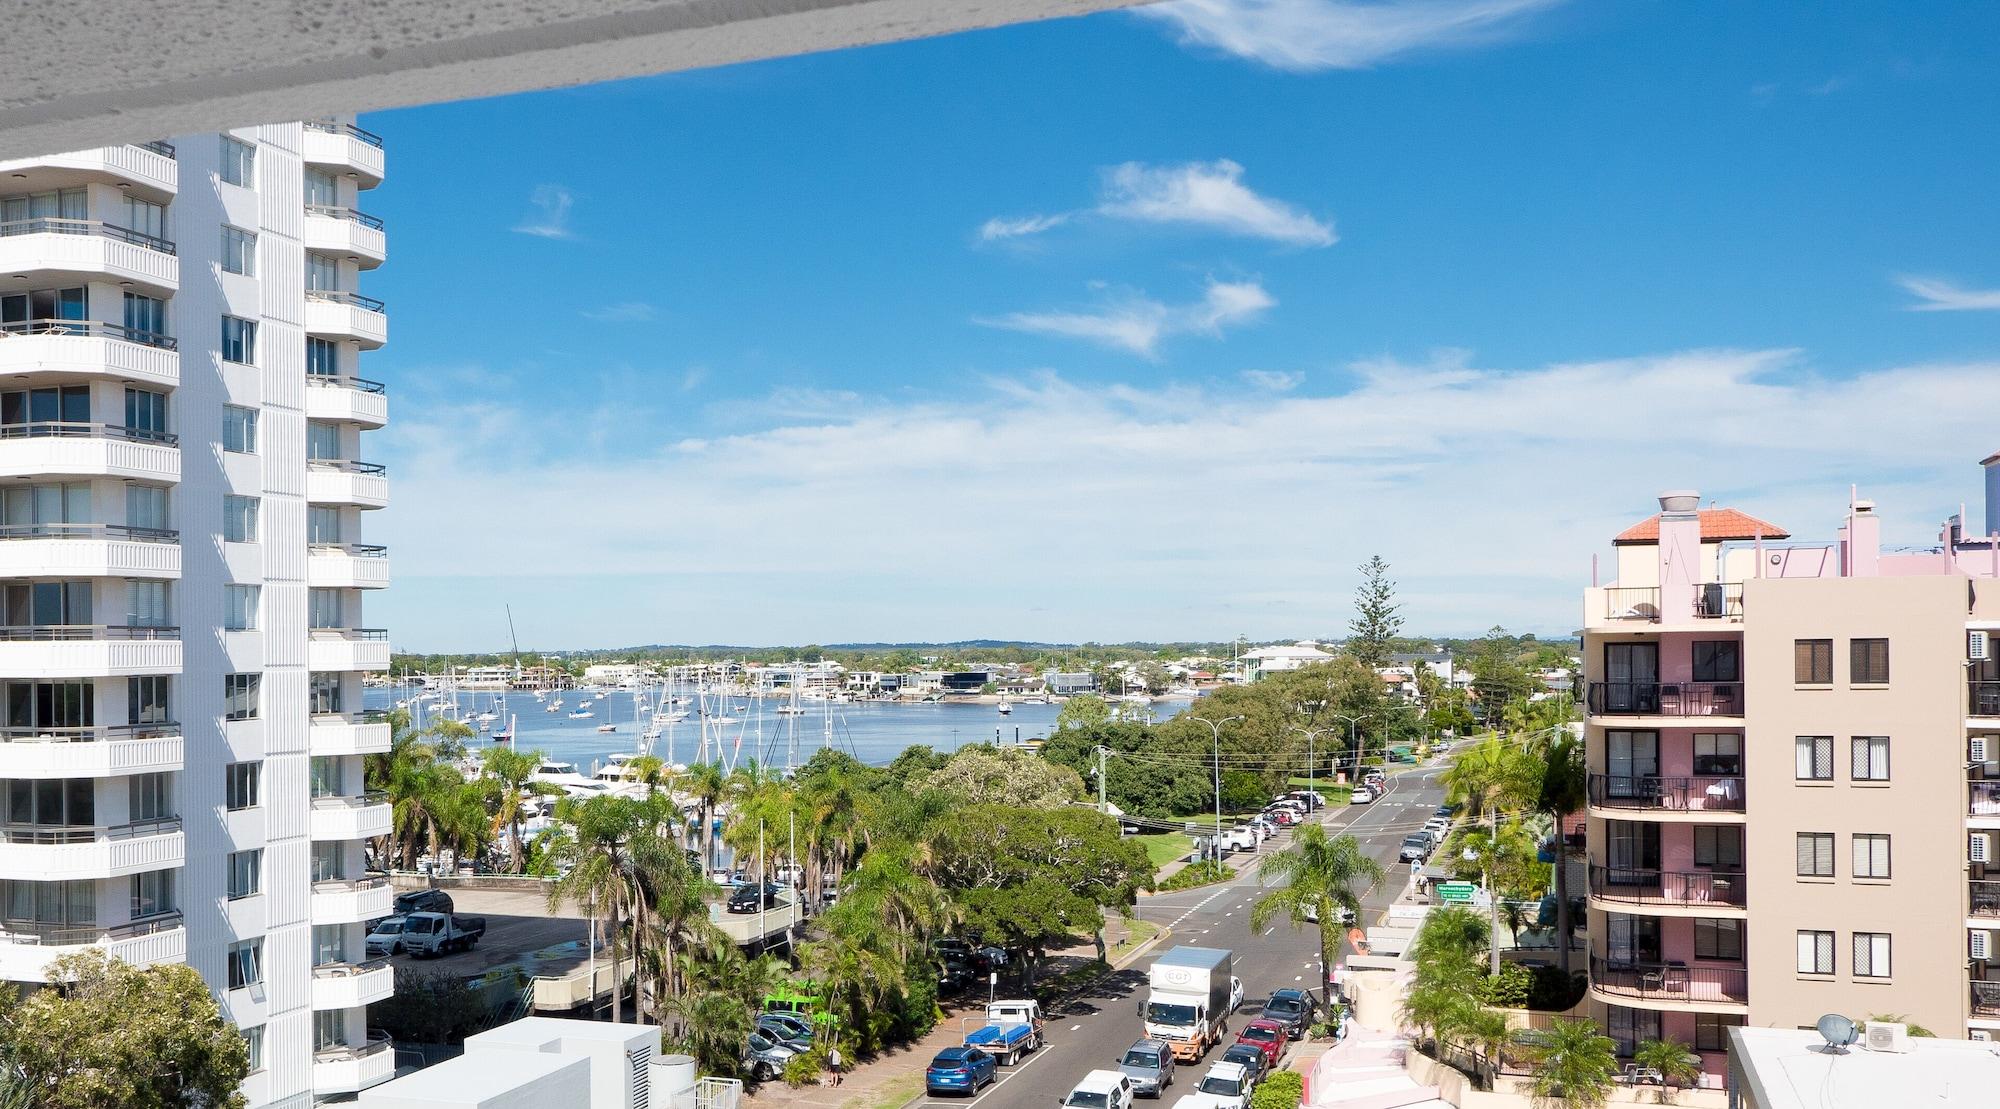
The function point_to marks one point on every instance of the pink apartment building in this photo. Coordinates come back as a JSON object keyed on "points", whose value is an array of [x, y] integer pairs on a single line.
{"points": [[1790, 811]]}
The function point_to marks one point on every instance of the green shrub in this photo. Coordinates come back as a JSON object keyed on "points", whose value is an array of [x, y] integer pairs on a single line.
{"points": [[1511, 988], [1197, 874], [1281, 1090], [805, 1069]]}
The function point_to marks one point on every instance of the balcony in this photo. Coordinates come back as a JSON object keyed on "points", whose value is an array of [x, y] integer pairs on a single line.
{"points": [[1665, 699], [1697, 797], [88, 551], [1985, 1000], [89, 348], [1671, 985], [1982, 698], [27, 948], [337, 481], [348, 649], [345, 148], [1704, 891], [350, 400], [88, 250], [350, 1068], [88, 651], [1983, 799], [331, 314], [347, 566], [351, 900], [49, 852], [146, 169], [356, 236], [1985, 900], [56, 448], [352, 985], [342, 818], [349, 733], [90, 752]]}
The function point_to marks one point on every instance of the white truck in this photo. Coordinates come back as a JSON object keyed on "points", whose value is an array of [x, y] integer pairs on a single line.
{"points": [[425, 934], [1191, 993]]}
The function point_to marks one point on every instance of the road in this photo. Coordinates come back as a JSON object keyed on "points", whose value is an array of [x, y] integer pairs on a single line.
{"points": [[1092, 1031]]}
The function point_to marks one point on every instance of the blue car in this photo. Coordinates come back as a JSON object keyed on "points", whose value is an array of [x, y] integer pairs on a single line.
{"points": [[960, 1070]]}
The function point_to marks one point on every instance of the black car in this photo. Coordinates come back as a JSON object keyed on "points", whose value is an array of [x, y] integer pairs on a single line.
{"points": [[1291, 1008], [1254, 1061], [422, 901], [745, 899]]}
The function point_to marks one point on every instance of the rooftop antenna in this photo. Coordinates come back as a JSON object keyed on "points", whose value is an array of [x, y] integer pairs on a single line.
{"points": [[1838, 1032]]}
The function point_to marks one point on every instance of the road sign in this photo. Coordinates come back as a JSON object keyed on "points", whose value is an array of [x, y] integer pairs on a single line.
{"points": [[1459, 892]]}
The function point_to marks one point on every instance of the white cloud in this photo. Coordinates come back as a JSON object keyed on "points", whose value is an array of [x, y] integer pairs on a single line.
{"points": [[1211, 195], [1274, 381], [1157, 511], [628, 311], [1935, 294], [551, 221], [1306, 35], [1138, 323], [1005, 228]]}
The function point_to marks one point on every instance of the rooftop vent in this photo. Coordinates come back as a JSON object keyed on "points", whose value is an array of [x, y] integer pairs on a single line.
{"points": [[1679, 500]]}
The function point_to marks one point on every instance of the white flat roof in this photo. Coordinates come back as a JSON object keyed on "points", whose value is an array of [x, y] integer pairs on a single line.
{"points": [[1786, 1068], [469, 1080], [540, 1032]]}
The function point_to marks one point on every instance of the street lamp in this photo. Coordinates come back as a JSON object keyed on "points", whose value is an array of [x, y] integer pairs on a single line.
{"points": [[1311, 759], [1352, 740], [1215, 733]]}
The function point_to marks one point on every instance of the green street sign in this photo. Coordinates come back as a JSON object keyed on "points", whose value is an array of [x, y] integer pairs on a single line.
{"points": [[1456, 891]]}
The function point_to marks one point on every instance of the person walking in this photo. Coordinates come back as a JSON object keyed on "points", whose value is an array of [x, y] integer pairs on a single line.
{"points": [[833, 1062]]}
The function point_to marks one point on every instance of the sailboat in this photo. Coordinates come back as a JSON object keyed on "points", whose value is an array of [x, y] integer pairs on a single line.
{"points": [[1005, 708], [607, 726], [508, 735]]}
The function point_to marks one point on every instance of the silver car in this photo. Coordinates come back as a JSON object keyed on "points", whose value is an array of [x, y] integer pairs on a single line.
{"points": [[1150, 1066]]}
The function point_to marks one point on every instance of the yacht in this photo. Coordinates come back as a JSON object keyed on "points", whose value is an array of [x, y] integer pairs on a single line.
{"points": [[581, 714]]}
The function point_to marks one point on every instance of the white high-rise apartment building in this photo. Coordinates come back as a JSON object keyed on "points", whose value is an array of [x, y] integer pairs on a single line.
{"points": [[181, 579]]}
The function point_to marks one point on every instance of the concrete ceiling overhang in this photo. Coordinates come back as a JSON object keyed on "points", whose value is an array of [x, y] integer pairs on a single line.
{"points": [[82, 74]]}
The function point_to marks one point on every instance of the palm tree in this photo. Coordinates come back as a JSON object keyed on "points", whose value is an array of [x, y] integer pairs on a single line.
{"points": [[1677, 1063], [706, 786], [1320, 875], [1485, 776], [855, 977], [510, 773], [610, 860], [674, 909], [1561, 792], [1574, 1064]]}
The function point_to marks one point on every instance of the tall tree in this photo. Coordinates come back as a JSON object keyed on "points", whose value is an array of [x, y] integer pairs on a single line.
{"points": [[984, 775], [1558, 753], [509, 778], [1377, 615], [1483, 777], [611, 856], [1319, 875]]}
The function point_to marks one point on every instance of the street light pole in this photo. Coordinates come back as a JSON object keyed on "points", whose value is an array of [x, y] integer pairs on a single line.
{"points": [[1215, 734], [1352, 739]]}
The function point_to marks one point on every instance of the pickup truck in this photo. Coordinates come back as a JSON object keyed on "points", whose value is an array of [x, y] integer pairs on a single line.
{"points": [[426, 934], [1011, 1030]]}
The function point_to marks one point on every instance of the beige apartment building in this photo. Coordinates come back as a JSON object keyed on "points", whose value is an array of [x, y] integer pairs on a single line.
{"points": [[1802, 731]]}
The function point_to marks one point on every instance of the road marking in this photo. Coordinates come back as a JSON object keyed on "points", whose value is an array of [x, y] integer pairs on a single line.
{"points": [[1298, 977], [1271, 929], [1074, 1027], [1033, 1057]]}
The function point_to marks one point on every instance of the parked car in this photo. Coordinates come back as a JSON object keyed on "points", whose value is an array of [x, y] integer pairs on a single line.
{"points": [[1416, 847], [746, 900], [960, 1070], [1362, 795], [1268, 1036], [1240, 839], [1346, 915], [1284, 818], [765, 1058], [1292, 1008], [421, 901], [1150, 1066], [1265, 825], [1101, 1089], [787, 1028], [425, 934], [1225, 1086], [1251, 1058]]}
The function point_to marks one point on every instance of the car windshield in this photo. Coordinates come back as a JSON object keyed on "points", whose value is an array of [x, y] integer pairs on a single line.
{"points": [[1087, 1099], [1162, 1013], [1285, 1005], [1136, 1058], [1214, 1084], [1415, 841], [759, 1043], [388, 927], [1260, 1035]]}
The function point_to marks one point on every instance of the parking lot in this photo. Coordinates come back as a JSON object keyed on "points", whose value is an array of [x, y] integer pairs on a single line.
{"points": [[520, 930]]}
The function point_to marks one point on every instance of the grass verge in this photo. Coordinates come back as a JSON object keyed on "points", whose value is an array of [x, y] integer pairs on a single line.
{"points": [[1196, 874], [898, 1091], [1140, 932], [1165, 847]]}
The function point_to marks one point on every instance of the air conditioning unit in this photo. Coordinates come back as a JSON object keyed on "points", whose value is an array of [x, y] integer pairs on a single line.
{"points": [[1977, 943], [1888, 1036], [1980, 1034], [1975, 749], [1977, 646], [1979, 847]]}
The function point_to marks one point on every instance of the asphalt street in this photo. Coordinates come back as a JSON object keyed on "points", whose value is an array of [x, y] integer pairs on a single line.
{"points": [[1093, 1030]]}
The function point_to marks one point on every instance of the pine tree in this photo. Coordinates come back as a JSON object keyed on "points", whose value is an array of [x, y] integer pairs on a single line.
{"points": [[1376, 615]]}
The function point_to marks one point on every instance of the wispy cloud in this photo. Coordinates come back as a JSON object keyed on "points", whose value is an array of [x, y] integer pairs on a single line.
{"points": [[1000, 227], [1274, 381], [1138, 323], [551, 218], [625, 311], [1207, 194], [1935, 294], [1306, 35]]}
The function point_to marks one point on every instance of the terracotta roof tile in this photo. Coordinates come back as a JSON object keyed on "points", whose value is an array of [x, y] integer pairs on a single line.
{"points": [[1716, 524]]}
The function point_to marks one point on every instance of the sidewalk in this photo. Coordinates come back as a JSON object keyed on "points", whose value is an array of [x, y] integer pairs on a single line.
{"points": [[1364, 1071]]}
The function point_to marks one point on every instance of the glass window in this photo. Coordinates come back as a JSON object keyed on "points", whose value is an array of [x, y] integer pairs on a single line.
{"points": [[253, 1039], [329, 1029], [239, 340], [1815, 952], [329, 861], [239, 519], [239, 693], [1718, 846], [56, 903], [1815, 854], [326, 776], [1814, 758], [146, 605], [151, 796], [1718, 939], [146, 507], [239, 785], [1711, 1030], [33, 706], [322, 441], [68, 802], [1633, 939], [325, 692], [322, 357], [329, 943], [239, 251], [29, 510], [153, 894], [145, 217], [322, 189], [146, 412], [39, 409], [322, 524], [246, 873], [1812, 661], [45, 603], [147, 316], [323, 608], [1868, 661], [1717, 660], [322, 273], [1871, 955], [246, 963], [1628, 1028], [239, 163], [241, 601], [1871, 758], [148, 699], [1871, 855], [1718, 753], [239, 429]]}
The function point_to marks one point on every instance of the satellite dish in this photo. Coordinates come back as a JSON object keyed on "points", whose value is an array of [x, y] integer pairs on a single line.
{"points": [[1838, 1031]]}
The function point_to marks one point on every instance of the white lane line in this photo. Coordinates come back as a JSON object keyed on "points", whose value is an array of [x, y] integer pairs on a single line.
{"points": [[1271, 929], [1033, 1058], [1298, 977], [1074, 1027]]}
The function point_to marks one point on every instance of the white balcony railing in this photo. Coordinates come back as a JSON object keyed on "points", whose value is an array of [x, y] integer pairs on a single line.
{"points": [[27, 949], [352, 985], [88, 651], [343, 315], [143, 167], [345, 818], [88, 551], [90, 752], [356, 236], [89, 348], [69, 449], [349, 1069], [51, 852], [347, 566], [334, 481], [337, 733], [70, 248], [351, 400], [345, 147], [351, 900], [348, 649]]}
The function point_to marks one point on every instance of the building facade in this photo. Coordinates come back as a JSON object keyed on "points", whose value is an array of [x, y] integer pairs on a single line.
{"points": [[182, 568], [1787, 728]]}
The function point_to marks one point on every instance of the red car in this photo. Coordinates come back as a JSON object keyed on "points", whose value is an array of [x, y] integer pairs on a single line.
{"points": [[1267, 1036]]}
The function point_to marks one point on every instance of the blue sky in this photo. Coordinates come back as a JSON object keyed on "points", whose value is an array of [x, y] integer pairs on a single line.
{"points": [[1154, 324]]}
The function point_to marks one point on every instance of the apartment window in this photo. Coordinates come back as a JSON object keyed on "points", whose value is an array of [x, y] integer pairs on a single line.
{"points": [[146, 413], [1812, 661], [146, 604], [49, 903], [246, 873], [1871, 855], [37, 409], [1815, 758], [246, 964], [323, 608], [1815, 854], [239, 340], [326, 776], [1628, 1028], [329, 1029], [148, 699], [1711, 1030], [151, 796], [329, 861], [61, 802], [241, 602], [322, 524], [1815, 952], [239, 251], [1718, 847], [145, 217], [239, 519], [1871, 758], [146, 507], [1718, 753], [329, 944], [322, 273], [322, 358], [33, 510], [145, 315], [153, 894], [239, 429], [239, 163], [1718, 939], [44, 309], [1868, 661], [322, 190], [253, 1041], [1871, 955], [323, 441], [1632, 939], [325, 692], [45, 604], [1718, 660], [33, 706], [239, 693], [239, 785]]}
